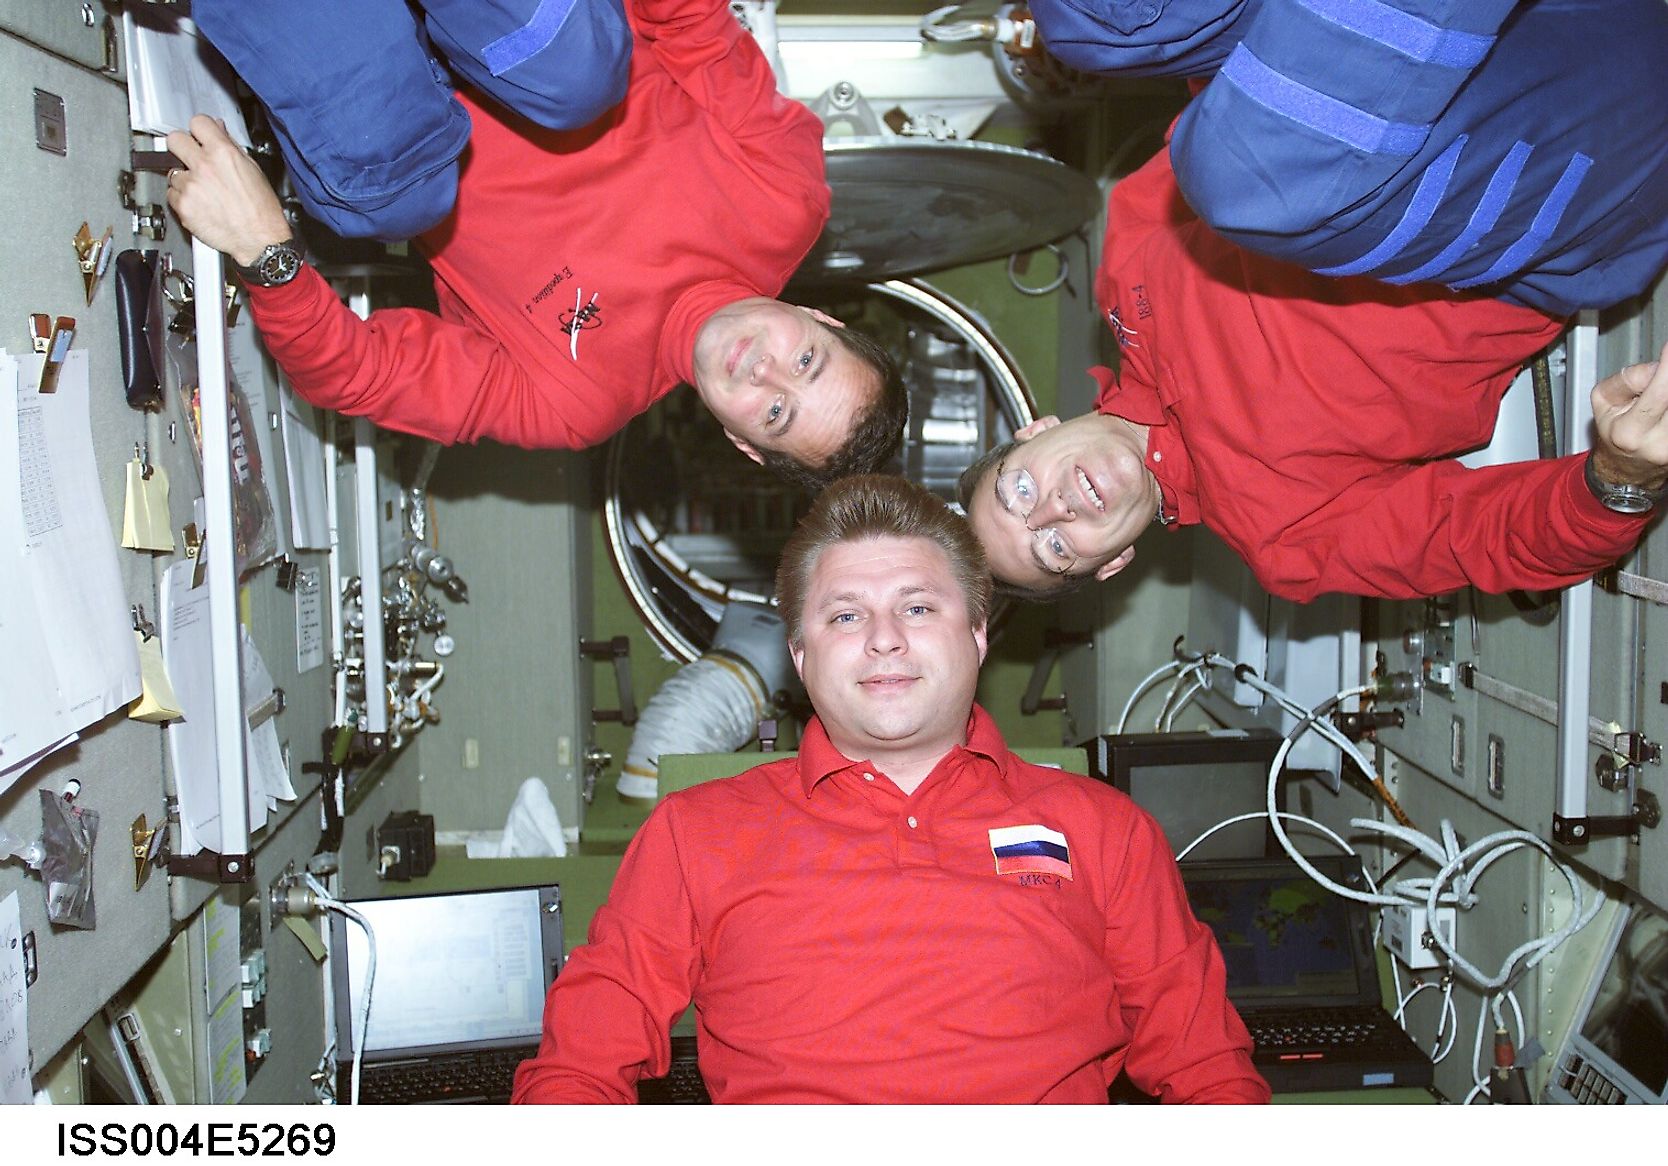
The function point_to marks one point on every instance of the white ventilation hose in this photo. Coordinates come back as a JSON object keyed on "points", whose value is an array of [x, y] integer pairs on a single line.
{"points": [[713, 705]]}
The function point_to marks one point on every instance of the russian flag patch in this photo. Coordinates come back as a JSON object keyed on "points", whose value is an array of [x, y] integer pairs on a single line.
{"points": [[1030, 850]]}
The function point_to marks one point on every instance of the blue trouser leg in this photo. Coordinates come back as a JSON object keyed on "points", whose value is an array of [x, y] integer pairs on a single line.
{"points": [[1518, 150], [560, 63], [1143, 38], [366, 119]]}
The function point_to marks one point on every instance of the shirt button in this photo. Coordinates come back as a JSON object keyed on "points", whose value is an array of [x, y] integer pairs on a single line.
{"points": [[1158, 455], [912, 822], [868, 777]]}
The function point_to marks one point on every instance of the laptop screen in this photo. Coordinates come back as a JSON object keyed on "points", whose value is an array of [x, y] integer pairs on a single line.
{"points": [[1284, 938], [1189, 782], [453, 972], [1623, 1025]]}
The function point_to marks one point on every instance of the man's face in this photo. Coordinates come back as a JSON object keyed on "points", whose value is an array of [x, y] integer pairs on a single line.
{"points": [[888, 652], [778, 379], [1068, 500]]}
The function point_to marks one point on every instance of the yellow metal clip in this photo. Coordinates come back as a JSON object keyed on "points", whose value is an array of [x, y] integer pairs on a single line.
{"points": [[93, 256], [141, 849], [51, 338]]}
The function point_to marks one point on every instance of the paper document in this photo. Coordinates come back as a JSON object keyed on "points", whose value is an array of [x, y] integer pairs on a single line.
{"points": [[157, 702], [309, 621], [172, 73], [269, 770], [14, 1008], [222, 991], [65, 630], [304, 462], [191, 745], [145, 522]]}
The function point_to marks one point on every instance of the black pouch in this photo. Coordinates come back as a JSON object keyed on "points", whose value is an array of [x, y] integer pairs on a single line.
{"points": [[139, 316]]}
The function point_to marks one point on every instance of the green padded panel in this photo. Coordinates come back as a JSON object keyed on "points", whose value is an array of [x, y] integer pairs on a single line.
{"points": [[1069, 758], [682, 770]]}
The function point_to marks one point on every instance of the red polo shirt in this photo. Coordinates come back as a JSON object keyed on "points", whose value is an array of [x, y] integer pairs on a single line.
{"points": [[1311, 422], [578, 265], [844, 942]]}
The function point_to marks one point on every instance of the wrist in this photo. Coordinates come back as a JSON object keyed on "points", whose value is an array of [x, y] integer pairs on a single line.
{"points": [[275, 264], [1617, 490], [263, 232]]}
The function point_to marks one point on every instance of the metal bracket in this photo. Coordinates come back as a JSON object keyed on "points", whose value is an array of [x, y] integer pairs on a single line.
{"points": [[618, 650], [1647, 813], [1054, 642], [220, 868], [1638, 749]]}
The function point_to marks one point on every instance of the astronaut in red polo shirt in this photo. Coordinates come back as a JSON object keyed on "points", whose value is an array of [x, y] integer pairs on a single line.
{"points": [[585, 273], [905, 912]]}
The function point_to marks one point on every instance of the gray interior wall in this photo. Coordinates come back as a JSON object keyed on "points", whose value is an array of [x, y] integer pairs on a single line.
{"points": [[120, 764], [515, 524]]}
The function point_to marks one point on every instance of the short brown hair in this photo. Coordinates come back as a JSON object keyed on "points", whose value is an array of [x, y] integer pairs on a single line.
{"points": [[877, 434], [869, 506]]}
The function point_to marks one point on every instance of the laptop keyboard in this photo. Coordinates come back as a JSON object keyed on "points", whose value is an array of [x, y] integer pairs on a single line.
{"points": [[484, 1076], [1321, 1028], [1587, 1085], [682, 1085]]}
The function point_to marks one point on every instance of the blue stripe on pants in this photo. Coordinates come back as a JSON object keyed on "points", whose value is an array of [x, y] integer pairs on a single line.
{"points": [[1565, 78]]}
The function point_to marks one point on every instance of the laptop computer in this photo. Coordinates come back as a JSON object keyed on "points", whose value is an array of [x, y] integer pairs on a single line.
{"points": [[683, 1083], [1303, 974], [457, 1001], [1617, 1050]]}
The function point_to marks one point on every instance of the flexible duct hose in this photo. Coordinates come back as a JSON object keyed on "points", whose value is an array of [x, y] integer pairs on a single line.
{"points": [[714, 704]]}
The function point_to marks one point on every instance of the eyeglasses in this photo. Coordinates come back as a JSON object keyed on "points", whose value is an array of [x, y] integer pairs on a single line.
{"points": [[1048, 549]]}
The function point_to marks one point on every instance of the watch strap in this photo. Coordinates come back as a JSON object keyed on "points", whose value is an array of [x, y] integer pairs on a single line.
{"points": [[259, 272], [1621, 497]]}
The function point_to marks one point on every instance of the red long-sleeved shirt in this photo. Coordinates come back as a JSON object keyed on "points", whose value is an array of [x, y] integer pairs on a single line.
{"points": [[844, 942], [1310, 422], [704, 186]]}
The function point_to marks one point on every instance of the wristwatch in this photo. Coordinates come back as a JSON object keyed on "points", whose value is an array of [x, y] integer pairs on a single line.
{"points": [[1622, 498], [276, 264]]}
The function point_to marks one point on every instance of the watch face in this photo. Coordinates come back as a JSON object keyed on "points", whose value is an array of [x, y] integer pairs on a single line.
{"points": [[279, 265]]}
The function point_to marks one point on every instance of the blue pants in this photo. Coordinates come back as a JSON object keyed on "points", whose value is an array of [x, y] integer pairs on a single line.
{"points": [[365, 116], [1516, 149]]}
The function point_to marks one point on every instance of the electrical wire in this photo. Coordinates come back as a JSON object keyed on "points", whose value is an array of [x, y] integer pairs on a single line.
{"points": [[1458, 868], [1491, 1004], [330, 903], [935, 26], [1403, 1001], [1192, 691], [1438, 1053], [1260, 816], [1150, 679], [1174, 704]]}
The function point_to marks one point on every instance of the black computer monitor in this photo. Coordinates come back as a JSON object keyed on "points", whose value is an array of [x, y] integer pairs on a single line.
{"points": [[1192, 781]]}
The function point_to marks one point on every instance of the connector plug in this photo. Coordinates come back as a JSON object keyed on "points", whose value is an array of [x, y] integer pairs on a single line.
{"points": [[1407, 934]]}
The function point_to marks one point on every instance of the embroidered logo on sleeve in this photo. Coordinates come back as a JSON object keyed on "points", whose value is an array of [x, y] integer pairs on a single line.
{"points": [[585, 314], [1030, 850]]}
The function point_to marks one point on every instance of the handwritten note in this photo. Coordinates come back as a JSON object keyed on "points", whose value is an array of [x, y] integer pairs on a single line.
{"points": [[309, 621], [14, 1008]]}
